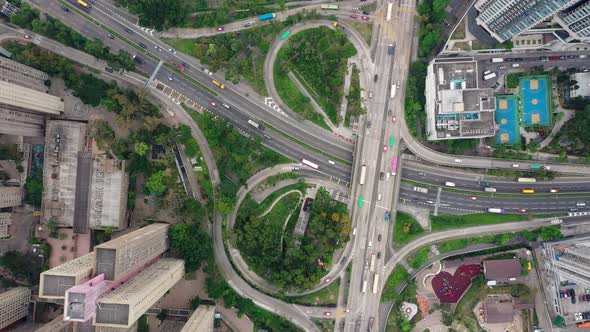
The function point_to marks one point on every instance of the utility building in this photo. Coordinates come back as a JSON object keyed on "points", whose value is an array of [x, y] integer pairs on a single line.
{"points": [[14, 305], [126, 254], [123, 306]]}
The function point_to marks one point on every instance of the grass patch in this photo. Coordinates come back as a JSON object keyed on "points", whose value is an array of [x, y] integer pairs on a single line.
{"points": [[398, 276], [441, 223], [459, 32], [365, 30], [327, 296], [418, 258], [354, 107], [320, 57], [406, 228]]}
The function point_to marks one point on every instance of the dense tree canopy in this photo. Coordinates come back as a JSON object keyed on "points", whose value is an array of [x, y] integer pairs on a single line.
{"points": [[191, 243]]}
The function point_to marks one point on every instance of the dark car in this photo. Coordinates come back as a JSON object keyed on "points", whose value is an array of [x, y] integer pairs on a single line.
{"points": [[142, 45], [186, 65], [129, 31], [381, 176], [108, 69], [518, 59], [65, 9], [376, 77], [379, 237], [307, 205], [365, 12]]}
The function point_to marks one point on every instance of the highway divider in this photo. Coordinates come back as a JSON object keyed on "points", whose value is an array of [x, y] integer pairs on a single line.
{"points": [[486, 194]]}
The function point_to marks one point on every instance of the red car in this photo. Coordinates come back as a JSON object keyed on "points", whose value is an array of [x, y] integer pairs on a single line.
{"points": [[553, 190], [473, 198], [221, 29], [353, 16], [384, 147], [327, 313], [213, 104], [366, 18], [393, 119], [179, 66], [27, 37], [522, 210]]}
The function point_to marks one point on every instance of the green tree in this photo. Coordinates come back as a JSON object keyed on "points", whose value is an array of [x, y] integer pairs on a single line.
{"points": [[102, 132], [191, 243], [549, 233], [141, 148], [34, 190], [156, 185]]}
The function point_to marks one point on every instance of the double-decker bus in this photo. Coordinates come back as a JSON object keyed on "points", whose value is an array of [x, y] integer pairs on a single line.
{"points": [[376, 284], [394, 166], [527, 180], [310, 164], [363, 174], [373, 259]]}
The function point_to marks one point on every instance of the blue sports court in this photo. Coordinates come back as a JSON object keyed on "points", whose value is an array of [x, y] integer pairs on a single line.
{"points": [[506, 119], [534, 94]]}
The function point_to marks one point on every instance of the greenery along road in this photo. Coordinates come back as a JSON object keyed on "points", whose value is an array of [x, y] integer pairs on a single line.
{"points": [[291, 267]]}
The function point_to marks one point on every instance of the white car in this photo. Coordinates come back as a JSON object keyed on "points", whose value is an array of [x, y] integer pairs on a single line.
{"points": [[170, 78], [225, 105], [458, 160], [556, 221], [331, 162], [515, 165], [172, 51]]}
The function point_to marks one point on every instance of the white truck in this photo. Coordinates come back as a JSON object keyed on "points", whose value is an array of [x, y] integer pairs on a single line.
{"points": [[421, 190]]}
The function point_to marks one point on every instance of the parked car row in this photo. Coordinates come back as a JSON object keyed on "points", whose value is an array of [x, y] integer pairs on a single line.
{"points": [[565, 293], [579, 316]]}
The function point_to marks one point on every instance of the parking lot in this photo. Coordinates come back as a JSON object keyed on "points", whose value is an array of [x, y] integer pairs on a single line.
{"points": [[581, 298]]}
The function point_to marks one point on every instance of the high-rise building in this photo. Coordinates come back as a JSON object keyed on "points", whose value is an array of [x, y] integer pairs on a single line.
{"points": [[11, 196], [20, 98], [54, 282], [576, 20], [201, 320], [21, 123], [5, 222], [123, 306], [14, 305], [130, 252], [504, 19], [570, 260], [25, 76]]}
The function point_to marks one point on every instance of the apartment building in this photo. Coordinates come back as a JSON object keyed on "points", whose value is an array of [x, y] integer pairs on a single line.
{"points": [[11, 196], [54, 282], [14, 305]]}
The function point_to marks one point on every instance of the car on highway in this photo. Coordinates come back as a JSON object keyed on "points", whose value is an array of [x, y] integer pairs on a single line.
{"points": [[556, 221], [381, 176], [331, 162], [365, 12], [170, 78], [393, 119], [108, 69], [212, 104], [384, 147], [186, 65], [129, 31], [295, 168], [142, 45], [379, 237], [515, 165], [353, 16], [225, 105], [221, 29], [473, 198], [365, 18], [379, 255], [179, 66], [327, 313], [210, 73], [553, 190], [110, 36], [172, 51], [328, 280], [157, 48], [522, 210], [27, 37], [65, 9]]}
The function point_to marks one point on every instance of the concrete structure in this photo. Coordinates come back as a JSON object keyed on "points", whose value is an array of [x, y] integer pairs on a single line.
{"points": [[122, 256], [54, 282], [455, 107], [57, 325], [123, 306], [108, 193], [5, 222], [201, 320], [25, 76], [502, 270], [81, 299], [21, 123], [576, 20], [504, 19], [66, 175], [569, 260], [14, 305], [583, 80], [20, 98], [11, 196], [498, 309]]}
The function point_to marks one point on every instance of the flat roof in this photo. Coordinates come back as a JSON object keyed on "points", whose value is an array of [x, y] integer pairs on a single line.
{"points": [[108, 193], [502, 269], [56, 285], [29, 99], [583, 80]]}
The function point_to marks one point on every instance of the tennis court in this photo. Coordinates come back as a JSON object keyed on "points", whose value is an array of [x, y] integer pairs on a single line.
{"points": [[506, 119], [534, 94]]}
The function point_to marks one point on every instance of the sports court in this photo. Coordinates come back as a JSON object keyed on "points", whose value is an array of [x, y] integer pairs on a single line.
{"points": [[534, 94], [507, 120]]}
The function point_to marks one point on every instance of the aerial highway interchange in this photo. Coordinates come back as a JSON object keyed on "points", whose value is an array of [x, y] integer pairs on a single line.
{"points": [[358, 165]]}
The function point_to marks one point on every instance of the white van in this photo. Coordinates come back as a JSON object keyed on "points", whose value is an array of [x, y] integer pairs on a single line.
{"points": [[581, 204], [515, 165], [458, 160], [331, 162], [354, 231], [379, 197], [387, 176], [370, 94], [370, 244], [449, 184]]}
